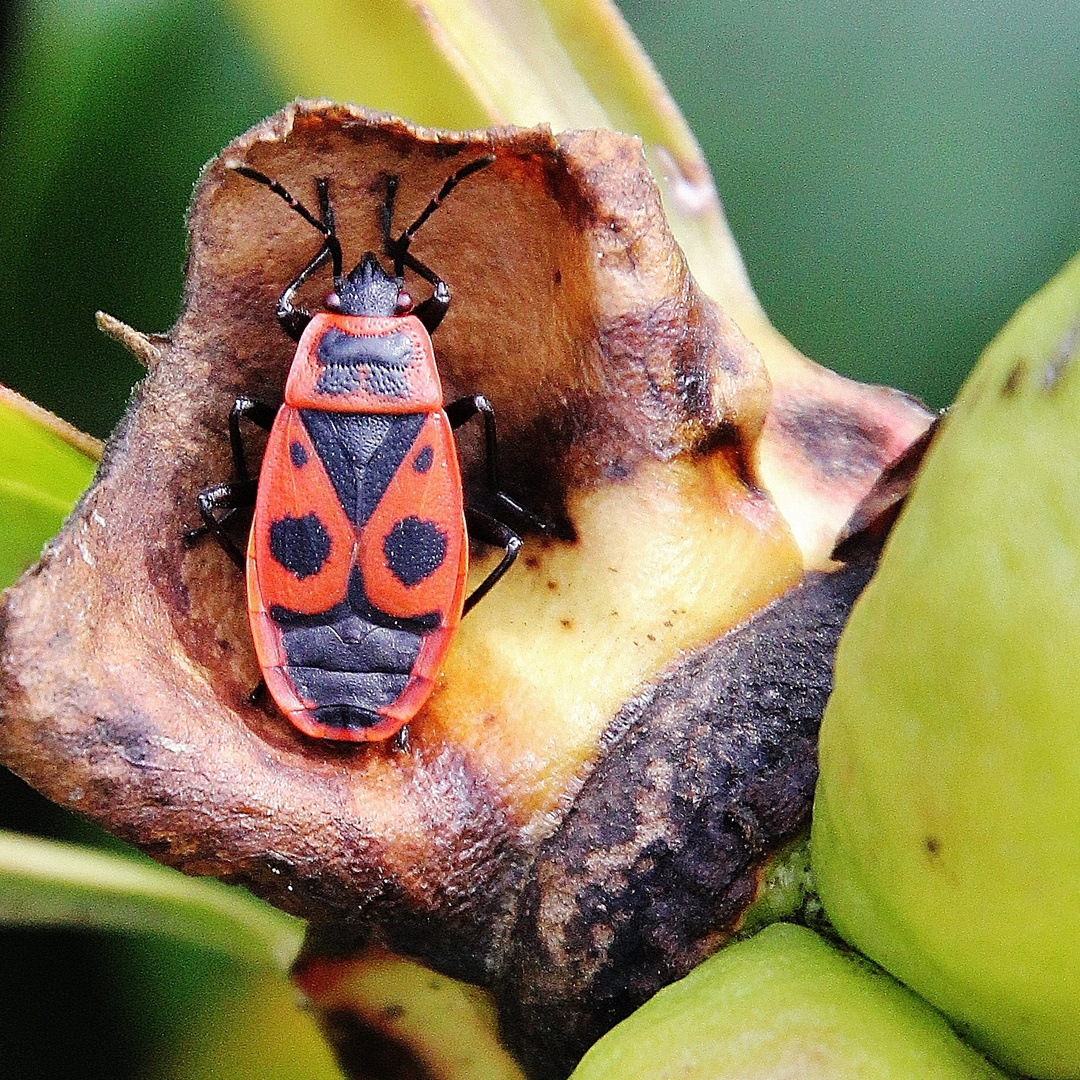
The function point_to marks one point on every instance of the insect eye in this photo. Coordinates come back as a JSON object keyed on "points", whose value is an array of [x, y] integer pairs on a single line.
{"points": [[333, 301], [404, 302]]}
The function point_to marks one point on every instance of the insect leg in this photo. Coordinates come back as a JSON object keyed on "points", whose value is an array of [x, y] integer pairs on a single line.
{"points": [[257, 412], [227, 497], [430, 311], [245, 408], [463, 410], [494, 532], [293, 319]]}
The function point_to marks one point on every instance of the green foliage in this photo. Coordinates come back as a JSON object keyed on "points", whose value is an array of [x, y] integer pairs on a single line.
{"points": [[41, 476], [109, 111], [899, 177], [44, 883]]}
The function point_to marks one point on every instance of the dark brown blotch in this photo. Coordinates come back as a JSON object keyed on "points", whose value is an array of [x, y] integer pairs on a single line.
{"points": [[841, 442], [660, 853], [1015, 379]]}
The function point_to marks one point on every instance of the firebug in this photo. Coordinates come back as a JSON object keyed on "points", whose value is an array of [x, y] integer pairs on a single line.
{"points": [[358, 551]]}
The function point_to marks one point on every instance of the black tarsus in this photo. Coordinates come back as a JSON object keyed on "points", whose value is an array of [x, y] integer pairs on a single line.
{"points": [[239, 493], [401, 740], [498, 534], [228, 497]]}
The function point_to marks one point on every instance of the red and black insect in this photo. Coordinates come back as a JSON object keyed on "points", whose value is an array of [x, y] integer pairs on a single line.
{"points": [[358, 550]]}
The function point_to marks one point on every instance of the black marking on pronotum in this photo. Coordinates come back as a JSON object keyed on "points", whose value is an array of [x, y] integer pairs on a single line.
{"points": [[423, 460], [301, 544], [297, 454], [414, 548], [361, 453], [381, 361]]}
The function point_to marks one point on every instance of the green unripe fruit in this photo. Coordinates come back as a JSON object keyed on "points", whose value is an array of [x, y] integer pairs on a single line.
{"points": [[946, 837], [783, 1004]]}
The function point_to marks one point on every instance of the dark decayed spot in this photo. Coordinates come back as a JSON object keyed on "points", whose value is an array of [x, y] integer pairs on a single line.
{"points": [[361, 453], [297, 454], [364, 1051], [381, 361], [721, 749], [414, 550], [840, 440], [301, 545], [422, 461], [1015, 379]]}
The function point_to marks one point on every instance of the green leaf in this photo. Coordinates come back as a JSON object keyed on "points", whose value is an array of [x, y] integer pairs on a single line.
{"points": [[204, 1018], [44, 467], [377, 53], [577, 64], [47, 883], [108, 110]]}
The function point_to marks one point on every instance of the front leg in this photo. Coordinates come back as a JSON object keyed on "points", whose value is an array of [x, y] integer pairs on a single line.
{"points": [[241, 492], [227, 497]]}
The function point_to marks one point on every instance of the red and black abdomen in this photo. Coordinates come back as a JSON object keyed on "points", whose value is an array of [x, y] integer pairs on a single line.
{"points": [[356, 564]]}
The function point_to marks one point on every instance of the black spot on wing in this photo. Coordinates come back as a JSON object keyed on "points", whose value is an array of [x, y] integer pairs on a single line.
{"points": [[301, 544], [361, 453], [297, 454], [414, 549], [379, 362], [423, 460]]}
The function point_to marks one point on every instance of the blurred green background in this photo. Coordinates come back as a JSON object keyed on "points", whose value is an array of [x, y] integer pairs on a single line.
{"points": [[900, 176]]}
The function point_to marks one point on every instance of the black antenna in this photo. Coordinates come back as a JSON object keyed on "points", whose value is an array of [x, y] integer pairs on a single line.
{"points": [[325, 227], [386, 217], [451, 182]]}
